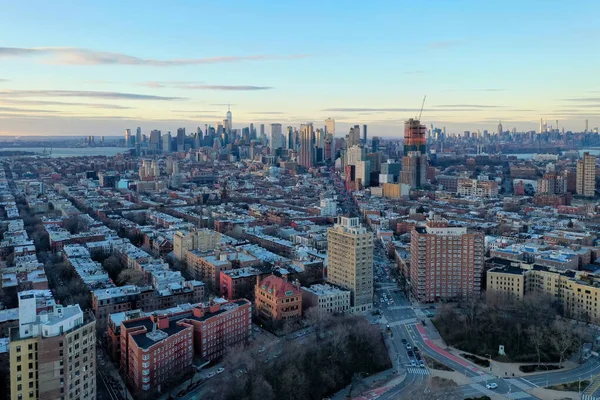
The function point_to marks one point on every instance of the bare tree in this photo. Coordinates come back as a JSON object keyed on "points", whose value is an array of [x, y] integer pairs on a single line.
{"points": [[563, 339], [537, 336]]}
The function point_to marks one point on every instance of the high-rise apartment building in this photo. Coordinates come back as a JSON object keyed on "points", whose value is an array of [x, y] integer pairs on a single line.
{"points": [[364, 139], [138, 136], [446, 262], [415, 137], [155, 140], [52, 353], [306, 154], [350, 261], [586, 175], [414, 169]]}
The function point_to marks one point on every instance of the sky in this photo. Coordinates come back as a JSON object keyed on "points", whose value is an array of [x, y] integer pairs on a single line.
{"points": [[82, 68]]}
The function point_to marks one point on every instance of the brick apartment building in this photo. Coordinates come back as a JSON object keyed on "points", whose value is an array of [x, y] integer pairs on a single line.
{"points": [[277, 299]]}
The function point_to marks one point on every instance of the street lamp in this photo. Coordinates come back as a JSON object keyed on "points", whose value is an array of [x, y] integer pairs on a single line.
{"points": [[490, 361]]}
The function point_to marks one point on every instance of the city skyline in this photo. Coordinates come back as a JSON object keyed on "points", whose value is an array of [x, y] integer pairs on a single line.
{"points": [[112, 68]]}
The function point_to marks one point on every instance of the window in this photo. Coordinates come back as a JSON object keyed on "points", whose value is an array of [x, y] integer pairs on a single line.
{"points": [[18, 349]]}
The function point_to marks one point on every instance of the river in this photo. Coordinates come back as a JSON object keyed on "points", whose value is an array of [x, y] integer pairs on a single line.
{"points": [[70, 151]]}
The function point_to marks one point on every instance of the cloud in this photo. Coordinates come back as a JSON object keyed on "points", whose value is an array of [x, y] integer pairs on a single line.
{"points": [[467, 105], [443, 44], [585, 100], [194, 111], [266, 112], [3, 80], [81, 93], [79, 56], [12, 109], [201, 86], [64, 103], [222, 104], [475, 90], [371, 109]]}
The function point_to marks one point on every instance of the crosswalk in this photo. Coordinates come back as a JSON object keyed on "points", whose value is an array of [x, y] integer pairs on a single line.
{"points": [[418, 371], [589, 397], [404, 322]]}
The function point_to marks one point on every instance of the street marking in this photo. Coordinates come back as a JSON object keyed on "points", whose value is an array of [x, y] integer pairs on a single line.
{"points": [[531, 383], [519, 383], [403, 322], [589, 397], [418, 371]]}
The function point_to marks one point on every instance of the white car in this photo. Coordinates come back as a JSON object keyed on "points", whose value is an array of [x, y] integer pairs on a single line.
{"points": [[210, 375], [492, 385], [219, 370]]}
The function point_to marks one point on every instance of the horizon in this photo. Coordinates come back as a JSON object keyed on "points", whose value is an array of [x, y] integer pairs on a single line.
{"points": [[113, 68]]}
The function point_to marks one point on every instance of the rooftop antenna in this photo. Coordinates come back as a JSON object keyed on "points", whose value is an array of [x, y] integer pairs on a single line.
{"points": [[422, 105]]}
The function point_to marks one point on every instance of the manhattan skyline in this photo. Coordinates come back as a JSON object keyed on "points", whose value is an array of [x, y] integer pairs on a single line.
{"points": [[99, 68]]}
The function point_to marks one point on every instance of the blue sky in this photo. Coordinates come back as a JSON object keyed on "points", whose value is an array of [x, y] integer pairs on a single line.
{"points": [[75, 67]]}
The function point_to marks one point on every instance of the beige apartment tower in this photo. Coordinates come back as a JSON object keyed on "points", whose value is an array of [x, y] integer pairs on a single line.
{"points": [[198, 239], [446, 262], [52, 353], [350, 261], [586, 175]]}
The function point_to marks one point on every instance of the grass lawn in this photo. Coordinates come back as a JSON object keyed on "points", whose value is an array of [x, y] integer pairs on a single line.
{"points": [[569, 387]]}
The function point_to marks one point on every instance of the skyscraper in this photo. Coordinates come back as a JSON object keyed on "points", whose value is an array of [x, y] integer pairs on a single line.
{"points": [[307, 150], [330, 126], [446, 261], [415, 137], [229, 125], [127, 137], [350, 255], [155, 140], [586, 175], [586, 126], [290, 138], [500, 128], [138, 136], [414, 162], [180, 139], [276, 137], [364, 140]]}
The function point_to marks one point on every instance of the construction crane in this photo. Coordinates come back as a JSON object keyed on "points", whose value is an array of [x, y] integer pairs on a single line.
{"points": [[422, 105]]}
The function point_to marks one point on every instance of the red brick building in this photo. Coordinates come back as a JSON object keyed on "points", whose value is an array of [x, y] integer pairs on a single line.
{"points": [[155, 351], [239, 283], [277, 299]]}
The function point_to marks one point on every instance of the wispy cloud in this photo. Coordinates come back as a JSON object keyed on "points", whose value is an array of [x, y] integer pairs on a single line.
{"points": [[63, 103], [12, 109], [266, 112], [584, 100], [475, 90], [467, 105], [202, 86], [3, 80], [371, 109], [443, 44], [79, 56], [195, 111], [88, 94]]}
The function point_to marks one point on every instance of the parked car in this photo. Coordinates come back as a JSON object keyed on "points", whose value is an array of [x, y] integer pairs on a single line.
{"points": [[408, 346], [422, 364], [219, 370], [492, 385], [413, 363]]}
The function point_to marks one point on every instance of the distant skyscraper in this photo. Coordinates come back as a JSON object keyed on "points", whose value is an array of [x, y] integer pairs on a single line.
{"points": [[541, 125], [290, 138], [375, 144], [586, 126], [155, 140], [307, 149], [180, 139], [330, 126], [127, 137], [262, 137], [138, 136], [350, 250], [166, 143], [276, 137], [500, 128], [229, 126], [364, 141]]}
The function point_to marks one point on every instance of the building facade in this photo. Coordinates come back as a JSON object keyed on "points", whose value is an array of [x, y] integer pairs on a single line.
{"points": [[586, 175], [277, 299], [325, 297], [199, 239], [446, 261], [52, 353], [350, 261]]}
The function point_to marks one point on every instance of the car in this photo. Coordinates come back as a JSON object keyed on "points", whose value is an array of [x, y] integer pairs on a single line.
{"points": [[421, 364], [418, 356], [413, 363], [219, 370], [416, 349], [492, 385], [403, 341], [408, 346], [388, 326], [210, 375], [423, 322], [256, 329], [410, 353]]}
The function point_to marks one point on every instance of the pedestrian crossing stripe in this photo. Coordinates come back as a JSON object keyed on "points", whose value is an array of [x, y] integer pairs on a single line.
{"points": [[418, 371], [589, 397]]}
